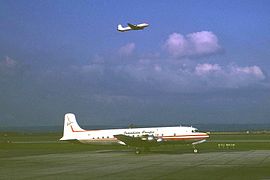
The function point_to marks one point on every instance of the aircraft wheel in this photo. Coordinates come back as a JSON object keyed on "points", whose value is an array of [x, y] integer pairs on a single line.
{"points": [[138, 151], [195, 150]]}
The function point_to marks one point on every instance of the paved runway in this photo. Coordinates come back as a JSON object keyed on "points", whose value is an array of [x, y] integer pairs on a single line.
{"points": [[126, 165]]}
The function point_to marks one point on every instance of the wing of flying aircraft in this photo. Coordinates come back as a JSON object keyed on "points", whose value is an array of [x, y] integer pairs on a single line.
{"points": [[132, 26]]}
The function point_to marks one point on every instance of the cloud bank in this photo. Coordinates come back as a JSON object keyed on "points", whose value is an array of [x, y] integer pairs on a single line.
{"points": [[167, 74], [202, 77], [181, 79], [127, 71]]}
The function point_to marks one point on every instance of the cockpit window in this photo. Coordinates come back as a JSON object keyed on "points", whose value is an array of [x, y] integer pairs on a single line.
{"points": [[195, 130]]}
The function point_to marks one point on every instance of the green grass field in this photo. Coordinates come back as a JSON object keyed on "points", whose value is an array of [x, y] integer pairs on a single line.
{"points": [[223, 156]]}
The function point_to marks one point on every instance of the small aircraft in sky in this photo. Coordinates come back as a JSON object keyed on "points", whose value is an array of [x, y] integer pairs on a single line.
{"points": [[132, 27], [140, 138]]}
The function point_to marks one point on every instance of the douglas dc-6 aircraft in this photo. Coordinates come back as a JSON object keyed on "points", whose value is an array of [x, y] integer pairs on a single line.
{"points": [[140, 138], [132, 27]]}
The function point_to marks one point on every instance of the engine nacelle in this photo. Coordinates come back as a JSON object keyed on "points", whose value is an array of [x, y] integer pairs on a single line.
{"points": [[148, 138], [121, 142]]}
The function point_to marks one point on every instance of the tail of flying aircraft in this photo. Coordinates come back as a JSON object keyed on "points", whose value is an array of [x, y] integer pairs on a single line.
{"points": [[120, 27], [70, 127]]}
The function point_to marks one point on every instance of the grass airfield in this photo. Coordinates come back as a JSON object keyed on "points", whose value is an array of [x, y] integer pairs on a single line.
{"points": [[224, 156]]}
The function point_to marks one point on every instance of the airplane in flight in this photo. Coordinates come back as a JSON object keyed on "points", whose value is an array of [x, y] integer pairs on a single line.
{"points": [[140, 138], [132, 27]]}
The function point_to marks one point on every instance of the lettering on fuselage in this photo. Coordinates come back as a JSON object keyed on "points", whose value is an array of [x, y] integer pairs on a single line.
{"points": [[132, 132], [138, 132], [148, 132]]}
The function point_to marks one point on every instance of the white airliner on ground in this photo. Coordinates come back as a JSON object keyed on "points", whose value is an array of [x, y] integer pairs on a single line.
{"points": [[135, 137], [132, 27]]}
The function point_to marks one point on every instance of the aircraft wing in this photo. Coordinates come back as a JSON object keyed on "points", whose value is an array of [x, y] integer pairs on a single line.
{"points": [[132, 26], [143, 141]]}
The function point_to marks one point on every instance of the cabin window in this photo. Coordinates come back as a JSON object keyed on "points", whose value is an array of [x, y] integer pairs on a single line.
{"points": [[102, 137], [174, 134], [108, 137], [161, 134], [98, 137], [93, 138]]}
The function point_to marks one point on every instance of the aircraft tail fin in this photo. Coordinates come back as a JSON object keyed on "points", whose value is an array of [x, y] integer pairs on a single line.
{"points": [[120, 27], [71, 127]]}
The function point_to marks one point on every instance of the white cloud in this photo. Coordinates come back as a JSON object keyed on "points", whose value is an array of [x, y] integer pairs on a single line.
{"points": [[176, 45], [204, 42], [202, 69], [127, 49], [243, 76], [194, 44], [252, 71]]}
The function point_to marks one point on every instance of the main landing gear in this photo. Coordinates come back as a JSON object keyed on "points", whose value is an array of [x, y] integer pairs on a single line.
{"points": [[194, 149], [138, 151]]}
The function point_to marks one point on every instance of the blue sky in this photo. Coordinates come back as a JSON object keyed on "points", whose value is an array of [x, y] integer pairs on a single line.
{"points": [[198, 62]]}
